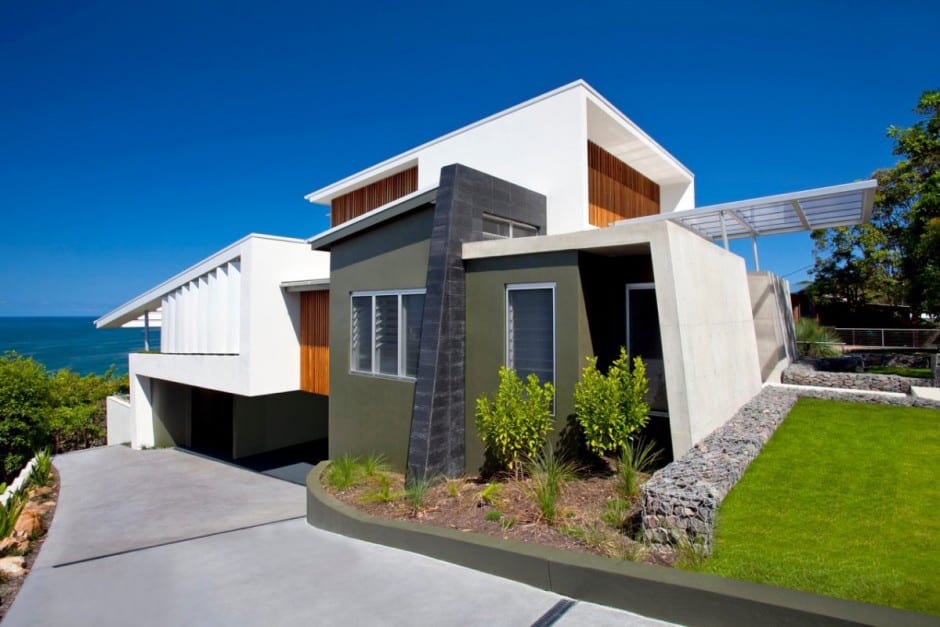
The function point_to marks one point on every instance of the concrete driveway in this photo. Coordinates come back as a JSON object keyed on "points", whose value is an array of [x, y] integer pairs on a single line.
{"points": [[163, 537]]}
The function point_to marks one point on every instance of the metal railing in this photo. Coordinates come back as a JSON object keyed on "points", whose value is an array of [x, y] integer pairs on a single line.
{"points": [[890, 338]]}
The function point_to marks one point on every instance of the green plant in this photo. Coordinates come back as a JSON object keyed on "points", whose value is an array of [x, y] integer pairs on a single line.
{"points": [[611, 407], [690, 553], [813, 340], [616, 512], [508, 523], [493, 515], [416, 491], [453, 488], [549, 474], [514, 425], [593, 536], [42, 470], [343, 472], [636, 457], [25, 401], [382, 493], [490, 495], [373, 465], [10, 512]]}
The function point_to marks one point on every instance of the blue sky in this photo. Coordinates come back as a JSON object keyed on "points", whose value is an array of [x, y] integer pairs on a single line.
{"points": [[137, 138]]}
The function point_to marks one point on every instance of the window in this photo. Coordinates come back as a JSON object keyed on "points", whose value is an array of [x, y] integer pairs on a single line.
{"points": [[502, 228], [530, 330], [385, 332]]}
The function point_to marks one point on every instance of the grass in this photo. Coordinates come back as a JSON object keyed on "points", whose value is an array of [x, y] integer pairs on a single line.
{"points": [[636, 458], [549, 475], [843, 502], [917, 373]]}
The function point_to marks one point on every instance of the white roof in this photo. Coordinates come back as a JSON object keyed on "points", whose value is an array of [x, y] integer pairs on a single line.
{"points": [[606, 124], [151, 299], [824, 207]]}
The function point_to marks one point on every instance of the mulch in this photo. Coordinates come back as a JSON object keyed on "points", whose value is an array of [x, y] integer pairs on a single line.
{"points": [[512, 514]]}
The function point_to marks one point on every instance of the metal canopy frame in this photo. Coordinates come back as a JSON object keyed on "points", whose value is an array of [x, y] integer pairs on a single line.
{"points": [[825, 207]]}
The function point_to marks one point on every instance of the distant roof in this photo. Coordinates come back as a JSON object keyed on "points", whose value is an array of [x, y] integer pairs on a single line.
{"points": [[824, 207]]}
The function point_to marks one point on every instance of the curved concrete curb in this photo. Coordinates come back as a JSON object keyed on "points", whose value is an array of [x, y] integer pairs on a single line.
{"points": [[665, 593]]}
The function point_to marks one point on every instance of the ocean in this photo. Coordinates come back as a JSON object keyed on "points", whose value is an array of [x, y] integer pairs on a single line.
{"points": [[73, 343]]}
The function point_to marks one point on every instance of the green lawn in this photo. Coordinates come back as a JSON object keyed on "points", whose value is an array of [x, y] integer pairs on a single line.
{"points": [[843, 501], [918, 373]]}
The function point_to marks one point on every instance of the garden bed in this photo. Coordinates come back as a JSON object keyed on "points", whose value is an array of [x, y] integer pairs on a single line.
{"points": [[592, 516]]}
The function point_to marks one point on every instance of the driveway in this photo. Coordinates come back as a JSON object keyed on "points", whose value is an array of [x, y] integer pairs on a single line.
{"points": [[162, 537]]}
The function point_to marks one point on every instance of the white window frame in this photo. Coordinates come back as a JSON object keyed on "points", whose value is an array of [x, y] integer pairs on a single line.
{"points": [[372, 294], [512, 226], [514, 287]]}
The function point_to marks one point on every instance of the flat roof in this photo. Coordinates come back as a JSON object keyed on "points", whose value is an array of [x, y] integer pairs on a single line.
{"points": [[820, 208]]}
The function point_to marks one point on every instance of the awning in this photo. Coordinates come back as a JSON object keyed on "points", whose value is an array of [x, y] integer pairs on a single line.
{"points": [[825, 207]]}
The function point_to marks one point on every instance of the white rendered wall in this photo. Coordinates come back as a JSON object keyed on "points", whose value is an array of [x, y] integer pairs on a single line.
{"points": [[120, 420], [542, 147]]}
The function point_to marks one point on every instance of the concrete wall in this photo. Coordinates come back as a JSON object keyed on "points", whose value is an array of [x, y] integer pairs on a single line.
{"points": [[486, 281], [120, 420], [172, 413], [368, 413], [266, 423], [773, 323]]}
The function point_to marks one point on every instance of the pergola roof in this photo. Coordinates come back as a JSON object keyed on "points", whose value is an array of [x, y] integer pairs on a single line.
{"points": [[824, 207]]}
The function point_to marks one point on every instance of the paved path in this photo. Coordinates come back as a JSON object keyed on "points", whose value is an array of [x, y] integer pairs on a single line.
{"points": [[165, 538]]}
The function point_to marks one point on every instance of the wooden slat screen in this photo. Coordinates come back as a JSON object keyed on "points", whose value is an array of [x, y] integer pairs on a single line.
{"points": [[616, 191], [359, 201], [315, 342]]}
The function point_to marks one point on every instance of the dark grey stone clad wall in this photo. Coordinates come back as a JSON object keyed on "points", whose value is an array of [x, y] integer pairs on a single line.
{"points": [[438, 421]]}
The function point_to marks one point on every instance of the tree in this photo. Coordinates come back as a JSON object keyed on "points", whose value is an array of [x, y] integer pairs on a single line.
{"points": [[25, 403], [894, 258]]}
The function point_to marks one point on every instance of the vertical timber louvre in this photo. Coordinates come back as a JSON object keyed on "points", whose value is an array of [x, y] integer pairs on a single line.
{"points": [[315, 342], [616, 191], [364, 199]]}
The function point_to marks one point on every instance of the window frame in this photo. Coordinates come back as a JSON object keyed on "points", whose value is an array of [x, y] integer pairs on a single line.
{"points": [[518, 287], [513, 224], [372, 295]]}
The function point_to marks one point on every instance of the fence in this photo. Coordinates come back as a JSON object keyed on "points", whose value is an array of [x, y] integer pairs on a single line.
{"points": [[890, 338]]}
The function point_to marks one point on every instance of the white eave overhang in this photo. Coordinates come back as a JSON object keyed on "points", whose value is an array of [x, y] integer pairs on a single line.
{"points": [[306, 285], [821, 208]]}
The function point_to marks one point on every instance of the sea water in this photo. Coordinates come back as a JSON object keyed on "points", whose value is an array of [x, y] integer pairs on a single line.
{"points": [[73, 343]]}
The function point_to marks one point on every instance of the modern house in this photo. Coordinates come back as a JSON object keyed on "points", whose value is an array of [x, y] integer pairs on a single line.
{"points": [[544, 234]]}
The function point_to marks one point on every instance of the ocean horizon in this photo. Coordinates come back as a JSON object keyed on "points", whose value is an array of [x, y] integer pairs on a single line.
{"points": [[72, 342]]}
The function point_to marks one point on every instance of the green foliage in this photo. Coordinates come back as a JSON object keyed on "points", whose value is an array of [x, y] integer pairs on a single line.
{"points": [[374, 465], [616, 512], [415, 493], [382, 493], [490, 495], [635, 458], [508, 523], [612, 407], [42, 471], [549, 474], [342, 473], [515, 424], [10, 512], [895, 258], [814, 340], [453, 488], [25, 403], [901, 371], [64, 411], [493, 515]]}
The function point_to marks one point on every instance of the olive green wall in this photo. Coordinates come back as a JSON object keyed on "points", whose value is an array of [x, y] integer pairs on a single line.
{"points": [[486, 330], [172, 410], [266, 423], [370, 414]]}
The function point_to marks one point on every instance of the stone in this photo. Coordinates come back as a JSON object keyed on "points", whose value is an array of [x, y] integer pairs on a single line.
{"points": [[14, 566], [28, 525]]}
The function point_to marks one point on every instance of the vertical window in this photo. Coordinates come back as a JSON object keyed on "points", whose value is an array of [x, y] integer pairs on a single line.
{"points": [[385, 333], [530, 330]]}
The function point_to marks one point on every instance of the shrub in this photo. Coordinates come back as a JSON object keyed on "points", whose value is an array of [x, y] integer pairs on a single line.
{"points": [[514, 425], [343, 472], [374, 465], [616, 512], [490, 495], [636, 457], [493, 515], [10, 512], [42, 471], [415, 493], [611, 407], [382, 493], [813, 340], [549, 475], [24, 409]]}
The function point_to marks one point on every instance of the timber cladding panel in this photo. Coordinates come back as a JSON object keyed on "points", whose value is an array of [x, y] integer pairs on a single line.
{"points": [[315, 342], [616, 191], [365, 199]]}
